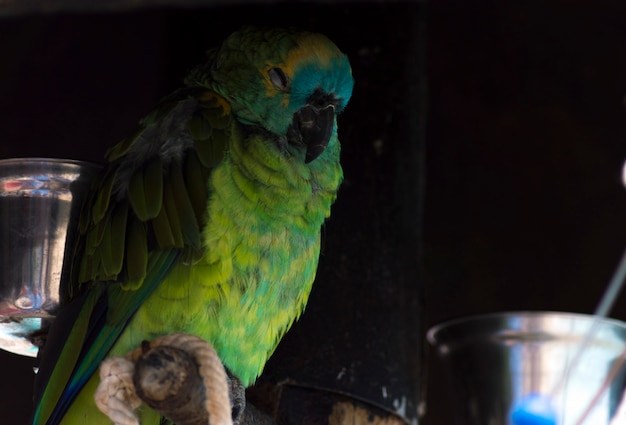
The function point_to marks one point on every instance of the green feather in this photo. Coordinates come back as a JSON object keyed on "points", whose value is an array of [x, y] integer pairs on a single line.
{"points": [[195, 182], [162, 229], [136, 254], [173, 216], [68, 355], [153, 188], [114, 263], [211, 151], [216, 117], [105, 251], [136, 195], [145, 190], [96, 234], [199, 128], [211, 145], [86, 272], [187, 217], [103, 196]]}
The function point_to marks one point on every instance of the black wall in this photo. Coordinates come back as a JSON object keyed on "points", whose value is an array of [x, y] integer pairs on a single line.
{"points": [[519, 178]]}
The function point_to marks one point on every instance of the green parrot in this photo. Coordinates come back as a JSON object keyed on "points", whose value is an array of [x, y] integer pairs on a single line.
{"points": [[207, 220]]}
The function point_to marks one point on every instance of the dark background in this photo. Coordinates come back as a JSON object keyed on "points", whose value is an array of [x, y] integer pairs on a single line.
{"points": [[514, 160]]}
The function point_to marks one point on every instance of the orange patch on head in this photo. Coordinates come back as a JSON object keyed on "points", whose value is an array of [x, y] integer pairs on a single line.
{"points": [[209, 96], [311, 48], [315, 46]]}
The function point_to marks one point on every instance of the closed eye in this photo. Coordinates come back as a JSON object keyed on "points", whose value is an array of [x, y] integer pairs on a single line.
{"points": [[278, 78]]}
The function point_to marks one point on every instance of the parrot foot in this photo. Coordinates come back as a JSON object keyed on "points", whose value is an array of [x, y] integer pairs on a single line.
{"points": [[244, 413], [237, 394]]}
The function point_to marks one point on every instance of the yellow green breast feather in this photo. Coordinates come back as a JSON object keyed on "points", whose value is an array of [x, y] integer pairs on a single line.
{"points": [[261, 253]]}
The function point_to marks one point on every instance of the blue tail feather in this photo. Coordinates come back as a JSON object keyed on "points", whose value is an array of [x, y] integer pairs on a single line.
{"points": [[102, 331]]}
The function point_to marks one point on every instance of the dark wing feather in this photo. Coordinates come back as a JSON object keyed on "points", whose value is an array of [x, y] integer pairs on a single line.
{"points": [[144, 213], [153, 193]]}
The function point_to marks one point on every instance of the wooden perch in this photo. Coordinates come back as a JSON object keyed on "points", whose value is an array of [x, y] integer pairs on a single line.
{"points": [[178, 375], [166, 378]]}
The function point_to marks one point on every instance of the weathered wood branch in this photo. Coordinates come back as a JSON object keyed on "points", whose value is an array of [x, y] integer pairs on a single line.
{"points": [[166, 378]]}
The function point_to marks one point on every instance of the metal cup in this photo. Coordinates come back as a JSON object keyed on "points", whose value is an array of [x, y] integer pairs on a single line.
{"points": [[40, 200], [495, 360]]}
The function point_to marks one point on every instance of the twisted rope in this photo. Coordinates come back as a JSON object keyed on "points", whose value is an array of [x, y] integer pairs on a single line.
{"points": [[117, 398]]}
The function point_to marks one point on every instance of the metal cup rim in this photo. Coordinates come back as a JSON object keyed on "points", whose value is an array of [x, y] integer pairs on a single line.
{"points": [[433, 332]]}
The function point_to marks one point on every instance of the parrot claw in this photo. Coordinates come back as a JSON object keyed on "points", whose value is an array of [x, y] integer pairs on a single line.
{"points": [[237, 394]]}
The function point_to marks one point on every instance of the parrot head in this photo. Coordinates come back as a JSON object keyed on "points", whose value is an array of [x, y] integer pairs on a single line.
{"points": [[288, 83]]}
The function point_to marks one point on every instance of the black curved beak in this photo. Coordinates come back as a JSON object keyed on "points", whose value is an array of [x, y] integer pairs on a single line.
{"points": [[312, 127]]}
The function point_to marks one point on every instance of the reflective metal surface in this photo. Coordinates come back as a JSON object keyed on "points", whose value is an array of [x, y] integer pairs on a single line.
{"points": [[494, 360], [40, 200]]}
